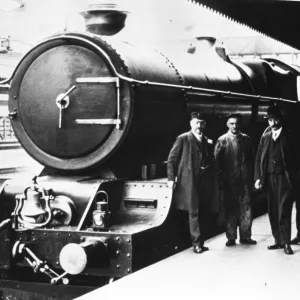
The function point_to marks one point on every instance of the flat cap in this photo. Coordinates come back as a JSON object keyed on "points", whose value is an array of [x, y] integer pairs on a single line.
{"points": [[233, 115]]}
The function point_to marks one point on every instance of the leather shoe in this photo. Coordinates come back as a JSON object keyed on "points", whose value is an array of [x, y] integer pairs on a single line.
{"points": [[197, 249], [230, 243], [200, 249], [203, 248], [295, 241], [287, 249], [248, 242], [275, 247]]}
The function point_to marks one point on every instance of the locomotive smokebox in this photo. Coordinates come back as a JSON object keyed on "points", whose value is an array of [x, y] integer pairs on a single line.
{"points": [[104, 18]]}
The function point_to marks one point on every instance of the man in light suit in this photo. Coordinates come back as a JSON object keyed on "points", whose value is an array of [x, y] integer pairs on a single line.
{"points": [[189, 162], [276, 169], [235, 157]]}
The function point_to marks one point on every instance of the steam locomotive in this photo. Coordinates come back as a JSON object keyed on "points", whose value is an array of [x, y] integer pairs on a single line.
{"points": [[101, 116]]}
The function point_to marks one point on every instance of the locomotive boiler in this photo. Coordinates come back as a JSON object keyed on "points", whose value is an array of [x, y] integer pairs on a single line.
{"points": [[101, 115]]}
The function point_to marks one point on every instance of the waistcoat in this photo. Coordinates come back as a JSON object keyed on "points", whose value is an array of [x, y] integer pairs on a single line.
{"points": [[275, 163]]}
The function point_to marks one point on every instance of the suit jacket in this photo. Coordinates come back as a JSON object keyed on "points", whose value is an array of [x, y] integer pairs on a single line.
{"points": [[184, 162], [290, 156], [225, 156]]}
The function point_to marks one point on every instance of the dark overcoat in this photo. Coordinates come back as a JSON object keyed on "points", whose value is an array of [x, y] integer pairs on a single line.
{"points": [[184, 164], [290, 156]]}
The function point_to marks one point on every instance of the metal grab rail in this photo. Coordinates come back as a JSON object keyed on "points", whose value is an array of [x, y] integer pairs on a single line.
{"points": [[5, 83]]}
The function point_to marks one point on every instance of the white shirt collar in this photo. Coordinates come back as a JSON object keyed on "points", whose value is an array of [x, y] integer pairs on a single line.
{"points": [[276, 133], [198, 136]]}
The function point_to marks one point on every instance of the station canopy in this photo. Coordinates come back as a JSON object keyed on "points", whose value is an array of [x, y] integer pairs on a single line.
{"points": [[181, 21], [255, 45]]}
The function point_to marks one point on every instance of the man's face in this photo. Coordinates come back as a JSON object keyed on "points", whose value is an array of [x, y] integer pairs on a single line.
{"points": [[274, 123], [233, 125], [197, 126]]}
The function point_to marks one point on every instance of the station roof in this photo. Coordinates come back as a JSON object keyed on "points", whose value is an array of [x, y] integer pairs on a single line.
{"points": [[276, 18], [255, 45]]}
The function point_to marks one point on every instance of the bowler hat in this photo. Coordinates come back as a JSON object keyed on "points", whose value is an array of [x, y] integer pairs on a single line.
{"points": [[197, 115], [273, 112]]}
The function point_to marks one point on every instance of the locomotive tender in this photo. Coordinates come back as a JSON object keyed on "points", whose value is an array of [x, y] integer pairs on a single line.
{"points": [[101, 115]]}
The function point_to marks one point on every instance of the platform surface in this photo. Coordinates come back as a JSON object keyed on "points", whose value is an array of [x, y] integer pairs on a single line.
{"points": [[239, 272]]}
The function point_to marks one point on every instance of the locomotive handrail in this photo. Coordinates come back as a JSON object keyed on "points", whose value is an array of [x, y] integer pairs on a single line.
{"points": [[167, 85], [146, 82], [182, 87], [209, 91]]}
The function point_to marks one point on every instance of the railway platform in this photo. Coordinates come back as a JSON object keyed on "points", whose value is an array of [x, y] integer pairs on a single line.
{"points": [[239, 272]]}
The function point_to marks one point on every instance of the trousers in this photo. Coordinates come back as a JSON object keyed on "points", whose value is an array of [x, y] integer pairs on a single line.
{"points": [[280, 204], [238, 212], [197, 225]]}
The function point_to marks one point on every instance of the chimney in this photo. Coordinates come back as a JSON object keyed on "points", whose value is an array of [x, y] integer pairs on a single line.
{"points": [[104, 18]]}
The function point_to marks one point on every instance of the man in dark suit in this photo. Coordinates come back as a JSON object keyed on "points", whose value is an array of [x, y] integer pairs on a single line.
{"points": [[189, 162], [275, 169], [235, 157]]}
